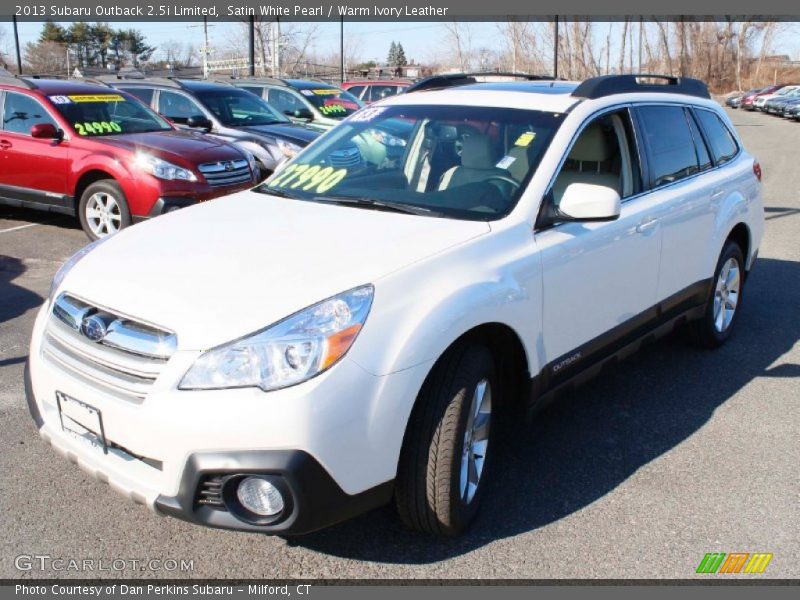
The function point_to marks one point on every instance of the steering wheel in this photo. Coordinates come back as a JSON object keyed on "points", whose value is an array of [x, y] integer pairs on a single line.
{"points": [[505, 179]]}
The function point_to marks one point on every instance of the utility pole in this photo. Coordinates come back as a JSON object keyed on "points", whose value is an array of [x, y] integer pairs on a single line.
{"points": [[16, 43], [276, 48], [341, 49], [252, 46], [555, 51], [205, 47]]}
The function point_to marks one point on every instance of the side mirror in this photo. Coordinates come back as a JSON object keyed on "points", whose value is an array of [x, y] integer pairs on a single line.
{"points": [[199, 122], [301, 113], [589, 202], [46, 131]]}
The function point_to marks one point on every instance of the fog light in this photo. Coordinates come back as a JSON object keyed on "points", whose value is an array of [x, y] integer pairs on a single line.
{"points": [[259, 496]]}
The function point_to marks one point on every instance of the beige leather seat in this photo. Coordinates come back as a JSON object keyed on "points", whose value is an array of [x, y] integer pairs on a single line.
{"points": [[590, 151], [478, 161]]}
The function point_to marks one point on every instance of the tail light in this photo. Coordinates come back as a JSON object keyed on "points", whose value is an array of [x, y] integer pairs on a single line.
{"points": [[757, 170]]}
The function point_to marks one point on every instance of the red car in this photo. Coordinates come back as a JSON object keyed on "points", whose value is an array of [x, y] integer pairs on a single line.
{"points": [[750, 97], [372, 90], [100, 154]]}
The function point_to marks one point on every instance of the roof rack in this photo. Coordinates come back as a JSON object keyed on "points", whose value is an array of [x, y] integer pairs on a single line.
{"points": [[112, 79], [607, 85], [437, 82]]}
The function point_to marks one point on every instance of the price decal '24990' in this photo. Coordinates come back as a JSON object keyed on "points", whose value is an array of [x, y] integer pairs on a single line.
{"points": [[308, 178], [97, 127]]}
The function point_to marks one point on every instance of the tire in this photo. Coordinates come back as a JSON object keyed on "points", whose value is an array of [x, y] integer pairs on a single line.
{"points": [[430, 494], [103, 209], [716, 326]]}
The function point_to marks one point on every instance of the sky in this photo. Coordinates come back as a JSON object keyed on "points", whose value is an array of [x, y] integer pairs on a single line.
{"points": [[373, 38], [421, 40]]}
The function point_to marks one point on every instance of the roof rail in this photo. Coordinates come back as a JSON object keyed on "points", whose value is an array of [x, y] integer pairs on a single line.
{"points": [[456, 79], [115, 79], [607, 85], [7, 78]]}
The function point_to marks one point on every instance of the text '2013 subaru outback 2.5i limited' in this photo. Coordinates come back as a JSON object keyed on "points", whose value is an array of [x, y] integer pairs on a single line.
{"points": [[341, 338]]}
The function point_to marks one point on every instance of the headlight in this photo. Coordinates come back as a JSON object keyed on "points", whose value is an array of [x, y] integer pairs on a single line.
{"points": [[288, 149], [387, 139], [161, 168], [289, 352], [71, 262]]}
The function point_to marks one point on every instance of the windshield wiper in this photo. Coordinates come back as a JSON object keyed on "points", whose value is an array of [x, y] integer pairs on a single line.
{"points": [[264, 189], [399, 207]]}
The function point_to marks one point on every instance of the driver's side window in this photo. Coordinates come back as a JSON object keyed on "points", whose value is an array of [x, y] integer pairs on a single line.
{"points": [[603, 154], [177, 107]]}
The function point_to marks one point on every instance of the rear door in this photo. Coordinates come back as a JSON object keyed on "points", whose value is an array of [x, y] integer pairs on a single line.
{"points": [[32, 170], [678, 163]]}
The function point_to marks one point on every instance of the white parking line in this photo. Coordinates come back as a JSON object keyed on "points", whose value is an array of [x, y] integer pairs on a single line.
{"points": [[18, 227]]}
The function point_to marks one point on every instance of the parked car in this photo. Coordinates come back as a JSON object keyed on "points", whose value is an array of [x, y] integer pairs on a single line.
{"points": [[317, 104], [734, 99], [793, 111], [372, 90], [777, 104], [761, 100], [225, 112], [87, 150], [339, 338], [749, 99]]}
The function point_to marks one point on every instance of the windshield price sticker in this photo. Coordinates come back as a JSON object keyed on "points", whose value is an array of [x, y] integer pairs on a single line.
{"points": [[60, 99], [330, 109], [97, 98], [525, 139], [309, 178], [326, 92], [365, 115], [97, 127]]}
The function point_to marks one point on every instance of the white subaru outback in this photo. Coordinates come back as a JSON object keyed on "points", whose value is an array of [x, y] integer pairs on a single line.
{"points": [[346, 335]]}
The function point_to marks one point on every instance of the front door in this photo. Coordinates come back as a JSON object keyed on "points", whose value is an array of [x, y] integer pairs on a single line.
{"points": [[599, 278]]}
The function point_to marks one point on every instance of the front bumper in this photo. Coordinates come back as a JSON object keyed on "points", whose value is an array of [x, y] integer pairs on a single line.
{"points": [[333, 441]]}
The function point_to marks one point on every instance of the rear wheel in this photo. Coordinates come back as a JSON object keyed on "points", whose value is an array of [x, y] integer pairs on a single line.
{"points": [[103, 209], [722, 308], [443, 465]]}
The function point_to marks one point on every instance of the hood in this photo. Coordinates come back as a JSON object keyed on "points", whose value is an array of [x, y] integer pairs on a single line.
{"points": [[297, 134], [226, 268], [183, 145]]}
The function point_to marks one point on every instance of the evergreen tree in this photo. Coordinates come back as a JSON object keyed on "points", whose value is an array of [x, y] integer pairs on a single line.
{"points": [[400, 56], [392, 56]]}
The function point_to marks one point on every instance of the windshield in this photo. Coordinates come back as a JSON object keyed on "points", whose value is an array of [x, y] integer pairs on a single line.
{"points": [[95, 115], [332, 102], [468, 162], [239, 108]]}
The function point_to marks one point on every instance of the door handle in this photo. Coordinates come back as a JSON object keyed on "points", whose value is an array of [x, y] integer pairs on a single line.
{"points": [[717, 194], [646, 225], [5, 144]]}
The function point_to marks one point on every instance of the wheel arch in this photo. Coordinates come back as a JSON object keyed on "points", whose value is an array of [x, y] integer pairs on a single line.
{"points": [[86, 179]]}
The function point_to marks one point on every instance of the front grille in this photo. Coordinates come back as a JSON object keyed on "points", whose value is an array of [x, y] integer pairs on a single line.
{"points": [[226, 172], [209, 492], [348, 157], [124, 361]]}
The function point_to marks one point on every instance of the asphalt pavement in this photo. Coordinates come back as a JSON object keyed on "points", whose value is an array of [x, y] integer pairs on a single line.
{"points": [[673, 454]]}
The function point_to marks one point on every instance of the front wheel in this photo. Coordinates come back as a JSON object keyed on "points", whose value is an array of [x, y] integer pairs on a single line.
{"points": [[722, 308], [443, 464], [103, 209]]}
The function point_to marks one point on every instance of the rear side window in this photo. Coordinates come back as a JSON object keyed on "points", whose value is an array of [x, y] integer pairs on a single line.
{"points": [[379, 92], [723, 144], [669, 143], [703, 158], [253, 90], [20, 113], [142, 93]]}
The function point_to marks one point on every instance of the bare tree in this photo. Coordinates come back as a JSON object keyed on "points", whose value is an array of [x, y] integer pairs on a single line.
{"points": [[46, 58], [459, 38]]}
